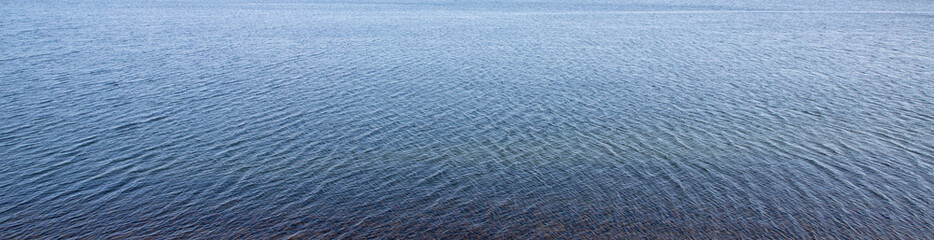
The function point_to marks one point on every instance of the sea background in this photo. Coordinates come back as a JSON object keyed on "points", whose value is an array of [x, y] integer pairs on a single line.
{"points": [[478, 119]]}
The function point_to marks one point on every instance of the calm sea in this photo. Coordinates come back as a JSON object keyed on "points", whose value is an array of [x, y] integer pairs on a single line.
{"points": [[494, 119]]}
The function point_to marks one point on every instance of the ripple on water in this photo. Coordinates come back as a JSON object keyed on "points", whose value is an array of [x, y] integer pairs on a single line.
{"points": [[461, 121]]}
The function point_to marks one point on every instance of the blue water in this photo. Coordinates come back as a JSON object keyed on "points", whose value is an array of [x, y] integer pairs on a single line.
{"points": [[497, 119]]}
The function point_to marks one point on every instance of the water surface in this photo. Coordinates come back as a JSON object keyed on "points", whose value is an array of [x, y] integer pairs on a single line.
{"points": [[490, 119]]}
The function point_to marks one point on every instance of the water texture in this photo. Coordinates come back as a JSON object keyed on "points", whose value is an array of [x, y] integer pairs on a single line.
{"points": [[467, 120]]}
